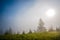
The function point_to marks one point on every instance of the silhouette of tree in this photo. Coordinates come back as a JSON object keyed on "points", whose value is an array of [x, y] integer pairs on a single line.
{"points": [[30, 31], [23, 32], [58, 29], [51, 29], [35, 31], [41, 27], [18, 32], [8, 31], [1, 31]]}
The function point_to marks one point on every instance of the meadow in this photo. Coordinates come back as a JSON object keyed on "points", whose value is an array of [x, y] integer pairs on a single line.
{"points": [[32, 36]]}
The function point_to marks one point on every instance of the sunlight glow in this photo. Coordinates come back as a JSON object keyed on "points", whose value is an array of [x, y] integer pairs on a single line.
{"points": [[50, 13]]}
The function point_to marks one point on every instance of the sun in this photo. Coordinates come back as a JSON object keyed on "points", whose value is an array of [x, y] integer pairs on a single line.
{"points": [[50, 12]]}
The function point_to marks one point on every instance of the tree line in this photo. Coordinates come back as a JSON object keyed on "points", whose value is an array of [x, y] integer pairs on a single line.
{"points": [[40, 28]]}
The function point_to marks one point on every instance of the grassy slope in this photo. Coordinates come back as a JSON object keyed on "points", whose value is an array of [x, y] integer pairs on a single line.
{"points": [[32, 36]]}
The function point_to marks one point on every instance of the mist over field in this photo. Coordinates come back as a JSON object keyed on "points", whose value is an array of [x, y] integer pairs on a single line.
{"points": [[25, 15], [30, 20]]}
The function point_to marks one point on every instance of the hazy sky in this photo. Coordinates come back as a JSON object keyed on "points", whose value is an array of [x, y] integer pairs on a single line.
{"points": [[25, 15]]}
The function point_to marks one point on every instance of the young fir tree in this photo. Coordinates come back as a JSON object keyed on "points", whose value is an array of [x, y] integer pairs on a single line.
{"points": [[41, 27], [51, 29], [30, 31], [8, 31], [23, 32], [58, 29]]}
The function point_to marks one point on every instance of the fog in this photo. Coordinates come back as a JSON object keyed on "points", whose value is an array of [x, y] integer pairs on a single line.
{"points": [[25, 15]]}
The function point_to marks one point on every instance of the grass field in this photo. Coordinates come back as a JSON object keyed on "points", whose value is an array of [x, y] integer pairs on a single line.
{"points": [[32, 36]]}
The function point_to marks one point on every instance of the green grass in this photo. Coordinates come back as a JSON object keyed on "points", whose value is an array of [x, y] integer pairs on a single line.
{"points": [[32, 36]]}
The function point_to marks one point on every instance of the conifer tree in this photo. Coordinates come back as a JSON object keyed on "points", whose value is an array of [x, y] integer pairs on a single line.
{"points": [[41, 27], [30, 31], [51, 29]]}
